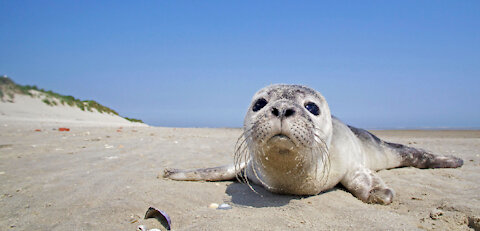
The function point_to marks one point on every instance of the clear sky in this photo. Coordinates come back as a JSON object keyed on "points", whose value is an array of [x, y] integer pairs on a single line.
{"points": [[380, 64]]}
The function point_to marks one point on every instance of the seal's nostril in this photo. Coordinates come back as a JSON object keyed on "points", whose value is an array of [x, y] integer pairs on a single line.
{"points": [[275, 112], [289, 112]]}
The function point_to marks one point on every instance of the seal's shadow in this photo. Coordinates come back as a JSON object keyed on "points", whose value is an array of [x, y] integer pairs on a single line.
{"points": [[242, 195]]}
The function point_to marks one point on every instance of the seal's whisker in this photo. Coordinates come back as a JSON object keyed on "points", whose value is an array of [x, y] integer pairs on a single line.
{"points": [[242, 156], [239, 149], [254, 169], [323, 154]]}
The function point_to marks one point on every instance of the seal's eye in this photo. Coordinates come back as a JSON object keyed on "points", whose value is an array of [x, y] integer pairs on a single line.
{"points": [[259, 104], [312, 108]]}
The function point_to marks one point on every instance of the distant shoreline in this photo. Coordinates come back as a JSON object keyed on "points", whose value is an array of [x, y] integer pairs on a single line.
{"points": [[366, 128]]}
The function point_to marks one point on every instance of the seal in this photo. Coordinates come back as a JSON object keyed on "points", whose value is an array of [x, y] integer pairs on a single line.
{"points": [[291, 144]]}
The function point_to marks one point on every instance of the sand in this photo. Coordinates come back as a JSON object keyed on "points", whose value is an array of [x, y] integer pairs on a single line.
{"points": [[104, 177]]}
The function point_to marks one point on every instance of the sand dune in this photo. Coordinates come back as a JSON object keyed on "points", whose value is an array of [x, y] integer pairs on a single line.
{"points": [[27, 109]]}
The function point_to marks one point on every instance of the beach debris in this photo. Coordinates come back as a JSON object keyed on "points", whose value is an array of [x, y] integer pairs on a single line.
{"points": [[118, 130], [133, 219], [108, 146], [6, 145], [63, 129], [144, 228], [436, 214], [224, 206], [1, 173], [160, 215], [111, 157], [213, 206], [38, 130], [6, 195]]}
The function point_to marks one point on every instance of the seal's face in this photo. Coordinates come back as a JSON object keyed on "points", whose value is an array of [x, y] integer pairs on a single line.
{"points": [[286, 128], [293, 112]]}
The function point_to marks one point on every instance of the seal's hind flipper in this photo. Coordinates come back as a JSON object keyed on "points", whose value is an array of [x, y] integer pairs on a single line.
{"points": [[226, 172], [422, 159], [409, 157]]}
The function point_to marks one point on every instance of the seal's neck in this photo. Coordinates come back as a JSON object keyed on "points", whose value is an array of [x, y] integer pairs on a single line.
{"points": [[284, 170]]}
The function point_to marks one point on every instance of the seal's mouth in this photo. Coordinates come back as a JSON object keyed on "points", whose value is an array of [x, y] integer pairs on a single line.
{"points": [[281, 141], [280, 136]]}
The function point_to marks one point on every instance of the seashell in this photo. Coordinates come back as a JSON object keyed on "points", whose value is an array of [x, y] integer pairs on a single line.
{"points": [[160, 215], [224, 206]]}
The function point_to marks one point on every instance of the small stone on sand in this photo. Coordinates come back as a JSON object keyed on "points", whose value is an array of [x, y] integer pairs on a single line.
{"points": [[213, 206]]}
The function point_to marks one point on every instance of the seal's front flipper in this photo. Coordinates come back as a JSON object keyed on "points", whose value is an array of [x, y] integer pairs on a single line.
{"points": [[368, 187], [227, 172]]}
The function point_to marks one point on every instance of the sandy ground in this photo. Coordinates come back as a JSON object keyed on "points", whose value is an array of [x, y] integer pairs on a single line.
{"points": [[105, 178]]}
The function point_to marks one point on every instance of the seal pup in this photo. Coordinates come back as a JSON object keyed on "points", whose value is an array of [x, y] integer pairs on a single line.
{"points": [[291, 144]]}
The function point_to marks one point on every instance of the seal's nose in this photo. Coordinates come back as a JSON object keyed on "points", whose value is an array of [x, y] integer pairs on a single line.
{"points": [[283, 112]]}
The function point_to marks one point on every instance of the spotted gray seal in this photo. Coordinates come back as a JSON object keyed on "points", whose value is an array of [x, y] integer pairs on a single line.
{"points": [[291, 144]]}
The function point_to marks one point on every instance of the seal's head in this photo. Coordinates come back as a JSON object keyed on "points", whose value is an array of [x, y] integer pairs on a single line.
{"points": [[287, 129], [295, 112]]}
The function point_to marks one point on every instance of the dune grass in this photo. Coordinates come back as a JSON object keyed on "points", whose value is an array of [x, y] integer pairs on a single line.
{"points": [[8, 89]]}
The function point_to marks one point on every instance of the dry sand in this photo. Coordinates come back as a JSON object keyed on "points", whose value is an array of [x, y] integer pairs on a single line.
{"points": [[98, 177]]}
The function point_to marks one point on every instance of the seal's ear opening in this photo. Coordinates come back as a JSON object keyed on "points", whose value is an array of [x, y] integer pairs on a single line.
{"points": [[259, 104]]}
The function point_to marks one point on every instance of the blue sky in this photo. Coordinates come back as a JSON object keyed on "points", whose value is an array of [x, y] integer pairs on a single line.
{"points": [[380, 64]]}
